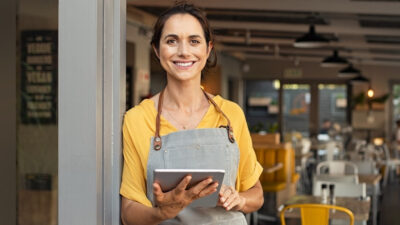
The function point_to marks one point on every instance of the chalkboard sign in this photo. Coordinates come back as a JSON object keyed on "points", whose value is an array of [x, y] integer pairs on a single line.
{"points": [[39, 77]]}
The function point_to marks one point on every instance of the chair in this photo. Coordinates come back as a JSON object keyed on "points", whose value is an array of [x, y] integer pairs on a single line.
{"points": [[313, 214], [342, 189], [337, 168], [366, 167]]}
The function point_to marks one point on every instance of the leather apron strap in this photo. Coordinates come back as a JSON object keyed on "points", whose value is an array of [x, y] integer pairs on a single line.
{"points": [[157, 143]]}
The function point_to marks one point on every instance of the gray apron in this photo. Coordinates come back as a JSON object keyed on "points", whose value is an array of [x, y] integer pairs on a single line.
{"points": [[210, 148]]}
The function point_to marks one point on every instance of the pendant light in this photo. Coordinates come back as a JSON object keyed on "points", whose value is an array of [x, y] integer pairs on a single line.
{"points": [[360, 79], [334, 60], [349, 71], [311, 39]]}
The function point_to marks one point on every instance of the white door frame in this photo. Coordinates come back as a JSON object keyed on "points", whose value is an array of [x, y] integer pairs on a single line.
{"points": [[91, 106]]}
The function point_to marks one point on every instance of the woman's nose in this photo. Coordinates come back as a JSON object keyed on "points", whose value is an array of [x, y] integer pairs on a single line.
{"points": [[183, 49]]}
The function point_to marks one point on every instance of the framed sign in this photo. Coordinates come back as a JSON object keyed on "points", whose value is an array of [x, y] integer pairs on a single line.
{"points": [[39, 77]]}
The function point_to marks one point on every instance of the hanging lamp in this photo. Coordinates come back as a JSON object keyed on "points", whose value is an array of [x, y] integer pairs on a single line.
{"points": [[334, 60], [360, 79], [349, 71], [311, 40]]}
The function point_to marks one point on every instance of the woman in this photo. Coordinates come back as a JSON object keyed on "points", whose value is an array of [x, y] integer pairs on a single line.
{"points": [[181, 128]]}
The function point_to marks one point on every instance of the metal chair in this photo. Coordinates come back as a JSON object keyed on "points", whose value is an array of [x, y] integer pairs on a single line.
{"points": [[312, 214], [337, 168]]}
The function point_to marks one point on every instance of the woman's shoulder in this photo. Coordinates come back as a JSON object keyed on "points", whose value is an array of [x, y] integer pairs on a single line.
{"points": [[232, 109], [141, 112]]}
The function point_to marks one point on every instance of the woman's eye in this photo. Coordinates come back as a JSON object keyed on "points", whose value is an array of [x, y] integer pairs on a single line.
{"points": [[171, 41], [195, 42]]}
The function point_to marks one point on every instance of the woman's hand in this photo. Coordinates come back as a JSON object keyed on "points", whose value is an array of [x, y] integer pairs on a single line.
{"points": [[169, 204], [230, 199]]}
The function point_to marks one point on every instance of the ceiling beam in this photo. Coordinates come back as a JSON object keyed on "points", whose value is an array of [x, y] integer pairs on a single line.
{"points": [[317, 60], [313, 52], [304, 28], [347, 44], [329, 6]]}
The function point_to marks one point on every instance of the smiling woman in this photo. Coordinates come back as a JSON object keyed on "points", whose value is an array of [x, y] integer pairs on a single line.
{"points": [[183, 127]]}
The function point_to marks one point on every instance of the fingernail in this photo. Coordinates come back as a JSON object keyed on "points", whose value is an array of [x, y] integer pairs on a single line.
{"points": [[225, 204], [222, 199]]}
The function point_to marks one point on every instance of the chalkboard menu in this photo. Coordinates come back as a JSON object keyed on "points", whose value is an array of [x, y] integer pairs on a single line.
{"points": [[39, 77]]}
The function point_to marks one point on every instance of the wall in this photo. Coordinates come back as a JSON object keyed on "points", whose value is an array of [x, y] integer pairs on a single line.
{"points": [[134, 34], [8, 112], [231, 68]]}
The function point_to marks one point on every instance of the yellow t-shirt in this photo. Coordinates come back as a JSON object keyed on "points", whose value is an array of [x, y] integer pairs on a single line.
{"points": [[139, 127]]}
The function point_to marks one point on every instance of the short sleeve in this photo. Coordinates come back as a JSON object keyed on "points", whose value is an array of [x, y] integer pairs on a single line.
{"points": [[133, 185], [249, 168]]}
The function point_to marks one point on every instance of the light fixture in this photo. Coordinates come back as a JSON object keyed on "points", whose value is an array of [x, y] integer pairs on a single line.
{"points": [[334, 60], [349, 71], [311, 40], [370, 92], [360, 79]]}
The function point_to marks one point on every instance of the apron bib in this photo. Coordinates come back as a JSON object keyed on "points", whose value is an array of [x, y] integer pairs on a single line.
{"points": [[210, 148]]}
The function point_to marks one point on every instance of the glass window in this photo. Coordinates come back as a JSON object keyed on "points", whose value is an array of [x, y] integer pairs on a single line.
{"points": [[296, 108], [262, 105], [37, 129], [332, 106]]}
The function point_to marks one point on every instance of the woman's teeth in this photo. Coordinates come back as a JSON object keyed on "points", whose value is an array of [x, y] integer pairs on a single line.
{"points": [[184, 64]]}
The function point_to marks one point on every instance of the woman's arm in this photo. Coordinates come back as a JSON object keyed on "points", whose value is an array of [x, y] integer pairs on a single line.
{"points": [[135, 213], [246, 201], [169, 204]]}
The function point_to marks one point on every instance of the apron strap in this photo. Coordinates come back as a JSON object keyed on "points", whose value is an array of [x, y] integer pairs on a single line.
{"points": [[157, 139], [227, 127], [157, 143]]}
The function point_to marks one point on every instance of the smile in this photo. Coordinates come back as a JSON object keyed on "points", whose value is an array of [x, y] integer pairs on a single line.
{"points": [[184, 64]]}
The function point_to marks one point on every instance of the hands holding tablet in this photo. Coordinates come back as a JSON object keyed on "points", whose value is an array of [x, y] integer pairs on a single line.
{"points": [[170, 203], [230, 199]]}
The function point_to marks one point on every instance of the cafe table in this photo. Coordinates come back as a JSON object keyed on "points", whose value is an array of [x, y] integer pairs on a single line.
{"points": [[359, 207], [372, 182]]}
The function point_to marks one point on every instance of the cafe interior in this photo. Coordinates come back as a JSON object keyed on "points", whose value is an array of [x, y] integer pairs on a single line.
{"points": [[318, 81]]}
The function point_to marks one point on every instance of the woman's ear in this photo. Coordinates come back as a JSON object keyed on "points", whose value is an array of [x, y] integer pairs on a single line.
{"points": [[155, 51], [209, 48]]}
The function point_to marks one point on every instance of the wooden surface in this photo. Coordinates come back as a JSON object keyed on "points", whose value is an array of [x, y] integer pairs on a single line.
{"points": [[257, 146], [360, 208], [369, 179], [37, 207]]}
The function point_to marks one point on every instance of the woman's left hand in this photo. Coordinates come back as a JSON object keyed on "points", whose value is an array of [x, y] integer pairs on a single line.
{"points": [[230, 199]]}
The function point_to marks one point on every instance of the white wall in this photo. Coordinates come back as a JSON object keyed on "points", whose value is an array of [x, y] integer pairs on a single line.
{"points": [[142, 55]]}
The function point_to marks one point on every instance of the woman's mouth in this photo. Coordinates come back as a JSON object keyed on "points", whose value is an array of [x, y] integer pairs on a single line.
{"points": [[184, 65]]}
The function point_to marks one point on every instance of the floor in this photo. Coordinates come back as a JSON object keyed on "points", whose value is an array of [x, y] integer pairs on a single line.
{"points": [[390, 205]]}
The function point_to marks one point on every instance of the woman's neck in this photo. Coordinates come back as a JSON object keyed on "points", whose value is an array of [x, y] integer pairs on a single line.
{"points": [[185, 96]]}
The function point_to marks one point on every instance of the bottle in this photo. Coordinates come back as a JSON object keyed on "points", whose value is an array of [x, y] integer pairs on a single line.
{"points": [[332, 197], [324, 194]]}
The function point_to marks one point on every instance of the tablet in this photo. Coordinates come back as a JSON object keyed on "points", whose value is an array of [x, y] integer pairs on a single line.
{"points": [[170, 178]]}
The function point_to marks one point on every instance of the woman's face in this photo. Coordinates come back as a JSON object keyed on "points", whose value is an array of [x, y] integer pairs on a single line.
{"points": [[183, 50]]}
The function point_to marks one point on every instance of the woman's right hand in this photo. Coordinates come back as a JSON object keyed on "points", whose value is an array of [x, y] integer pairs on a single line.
{"points": [[170, 203]]}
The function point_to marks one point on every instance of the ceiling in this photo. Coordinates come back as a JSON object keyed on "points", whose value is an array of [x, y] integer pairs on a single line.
{"points": [[364, 31]]}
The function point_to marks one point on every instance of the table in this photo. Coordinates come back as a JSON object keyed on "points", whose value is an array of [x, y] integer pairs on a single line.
{"points": [[372, 182], [360, 208]]}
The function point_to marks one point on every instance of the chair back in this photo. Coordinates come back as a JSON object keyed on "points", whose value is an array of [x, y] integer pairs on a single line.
{"points": [[313, 214], [342, 189], [366, 167], [350, 178], [337, 167]]}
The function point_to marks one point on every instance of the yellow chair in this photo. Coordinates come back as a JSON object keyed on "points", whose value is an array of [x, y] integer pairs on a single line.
{"points": [[315, 214]]}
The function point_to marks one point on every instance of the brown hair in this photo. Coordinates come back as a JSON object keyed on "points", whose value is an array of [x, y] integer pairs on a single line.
{"points": [[185, 8]]}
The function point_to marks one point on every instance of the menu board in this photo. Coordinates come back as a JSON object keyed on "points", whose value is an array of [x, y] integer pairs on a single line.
{"points": [[39, 77]]}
